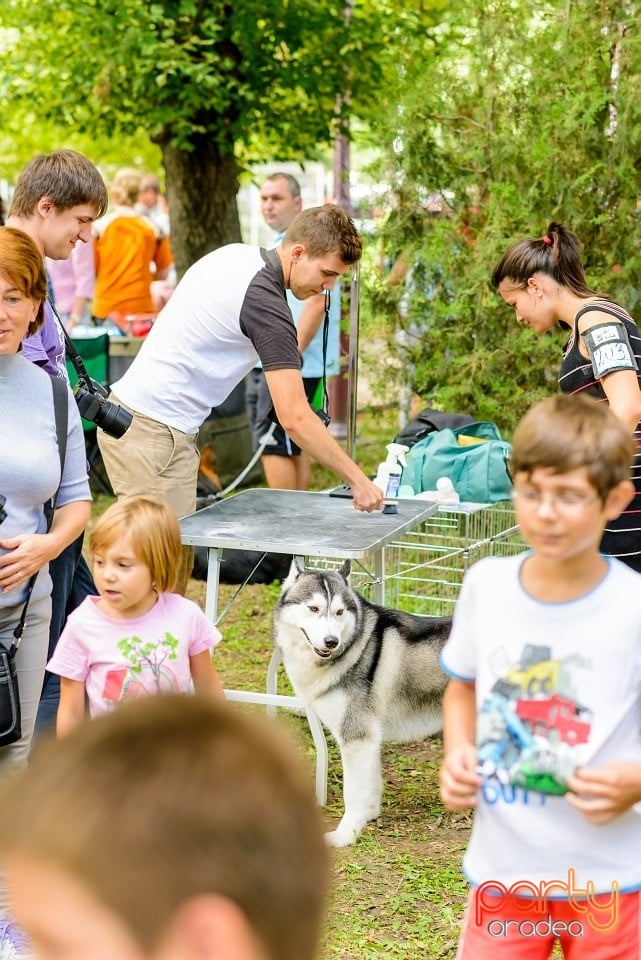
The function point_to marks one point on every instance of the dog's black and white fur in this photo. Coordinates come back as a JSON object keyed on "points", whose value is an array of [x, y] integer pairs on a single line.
{"points": [[370, 673]]}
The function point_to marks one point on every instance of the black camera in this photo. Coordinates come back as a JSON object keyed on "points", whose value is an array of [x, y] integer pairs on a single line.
{"points": [[3, 512], [91, 396], [93, 405]]}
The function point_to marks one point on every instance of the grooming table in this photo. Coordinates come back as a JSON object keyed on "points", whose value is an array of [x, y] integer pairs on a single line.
{"points": [[304, 524]]}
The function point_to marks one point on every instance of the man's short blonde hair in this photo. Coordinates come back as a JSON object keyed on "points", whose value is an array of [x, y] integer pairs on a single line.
{"points": [[323, 230]]}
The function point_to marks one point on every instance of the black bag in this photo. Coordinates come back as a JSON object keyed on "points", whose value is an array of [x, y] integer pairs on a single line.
{"points": [[427, 421], [10, 719]]}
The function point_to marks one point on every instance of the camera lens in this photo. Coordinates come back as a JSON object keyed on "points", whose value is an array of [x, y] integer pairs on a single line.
{"points": [[114, 419], [110, 417]]}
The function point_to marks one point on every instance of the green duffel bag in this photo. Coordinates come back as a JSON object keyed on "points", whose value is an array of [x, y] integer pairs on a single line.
{"points": [[474, 457]]}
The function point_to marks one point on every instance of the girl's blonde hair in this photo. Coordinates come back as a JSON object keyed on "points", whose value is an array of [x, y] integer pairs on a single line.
{"points": [[153, 531]]}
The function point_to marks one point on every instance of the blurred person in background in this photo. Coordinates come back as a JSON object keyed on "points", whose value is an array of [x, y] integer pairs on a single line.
{"points": [[130, 252], [152, 204], [73, 281]]}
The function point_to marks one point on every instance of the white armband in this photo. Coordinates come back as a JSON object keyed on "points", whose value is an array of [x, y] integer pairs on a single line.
{"points": [[609, 348]]}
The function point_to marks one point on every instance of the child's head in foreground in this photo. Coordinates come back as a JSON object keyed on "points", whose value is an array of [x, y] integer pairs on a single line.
{"points": [[565, 433], [573, 456], [152, 531], [174, 828]]}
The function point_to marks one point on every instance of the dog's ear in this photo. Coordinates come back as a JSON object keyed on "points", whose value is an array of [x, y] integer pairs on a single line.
{"points": [[345, 570], [295, 571]]}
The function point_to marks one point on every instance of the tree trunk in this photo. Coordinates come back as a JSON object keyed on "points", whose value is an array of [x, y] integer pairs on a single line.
{"points": [[201, 192]]}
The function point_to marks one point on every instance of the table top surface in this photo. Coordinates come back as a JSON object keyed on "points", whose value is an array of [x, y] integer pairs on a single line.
{"points": [[299, 522]]}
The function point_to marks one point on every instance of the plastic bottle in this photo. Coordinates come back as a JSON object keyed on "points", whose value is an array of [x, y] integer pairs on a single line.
{"points": [[388, 475], [444, 493]]}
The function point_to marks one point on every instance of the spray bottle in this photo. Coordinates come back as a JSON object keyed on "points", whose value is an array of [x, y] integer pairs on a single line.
{"points": [[388, 475]]}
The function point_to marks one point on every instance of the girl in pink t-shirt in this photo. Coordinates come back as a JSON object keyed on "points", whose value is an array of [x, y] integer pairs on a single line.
{"points": [[136, 637]]}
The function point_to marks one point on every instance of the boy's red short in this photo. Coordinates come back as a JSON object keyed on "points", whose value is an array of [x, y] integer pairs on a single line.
{"points": [[507, 935]]}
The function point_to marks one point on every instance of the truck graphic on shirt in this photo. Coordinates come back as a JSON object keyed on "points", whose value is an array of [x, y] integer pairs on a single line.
{"points": [[529, 731], [556, 714], [536, 671]]}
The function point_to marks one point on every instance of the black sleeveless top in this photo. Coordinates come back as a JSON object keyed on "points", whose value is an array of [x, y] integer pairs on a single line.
{"points": [[622, 537]]}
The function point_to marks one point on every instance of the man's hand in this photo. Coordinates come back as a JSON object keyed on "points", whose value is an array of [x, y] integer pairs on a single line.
{"points": [[366, 495]]}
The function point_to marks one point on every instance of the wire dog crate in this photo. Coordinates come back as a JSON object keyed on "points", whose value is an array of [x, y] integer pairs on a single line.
{"points": [[424, 569]]}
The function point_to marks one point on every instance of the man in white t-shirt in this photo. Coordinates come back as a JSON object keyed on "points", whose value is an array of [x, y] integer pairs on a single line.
{"points": [[228, 311]]}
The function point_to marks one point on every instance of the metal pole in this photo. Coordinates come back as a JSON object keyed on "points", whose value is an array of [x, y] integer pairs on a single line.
{"points": [[344, 394]]}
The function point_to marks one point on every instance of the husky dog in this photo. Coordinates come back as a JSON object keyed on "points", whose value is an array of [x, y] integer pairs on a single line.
{"points": [[371, 674]]}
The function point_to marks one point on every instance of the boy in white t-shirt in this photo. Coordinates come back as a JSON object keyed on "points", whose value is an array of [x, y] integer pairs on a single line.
{"points": [[136, 637], [542, 714]]}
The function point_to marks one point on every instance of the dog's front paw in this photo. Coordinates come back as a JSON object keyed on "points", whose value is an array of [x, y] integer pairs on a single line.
{"points": [[341, 837]]}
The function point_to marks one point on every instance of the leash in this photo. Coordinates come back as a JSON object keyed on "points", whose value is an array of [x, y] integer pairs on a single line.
{"points": [[262, 443]]}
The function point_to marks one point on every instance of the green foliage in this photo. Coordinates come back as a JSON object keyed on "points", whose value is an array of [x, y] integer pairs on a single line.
{"points": [[216, 85], [44, 136], [249, 72], [515, 117]]}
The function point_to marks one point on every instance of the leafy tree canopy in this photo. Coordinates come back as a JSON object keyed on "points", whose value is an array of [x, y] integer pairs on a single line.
{"points": [[179, 68], [215, 84]]}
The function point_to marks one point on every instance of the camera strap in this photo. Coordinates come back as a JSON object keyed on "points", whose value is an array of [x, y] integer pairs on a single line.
{"points": [[325, 341], [70, 350], [61, 414]]}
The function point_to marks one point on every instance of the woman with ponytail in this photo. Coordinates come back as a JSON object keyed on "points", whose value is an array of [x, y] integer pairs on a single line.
{"points": [[543, 280]]}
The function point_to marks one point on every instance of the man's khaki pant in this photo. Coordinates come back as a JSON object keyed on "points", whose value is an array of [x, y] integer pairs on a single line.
{"points": [[157, 461]]}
